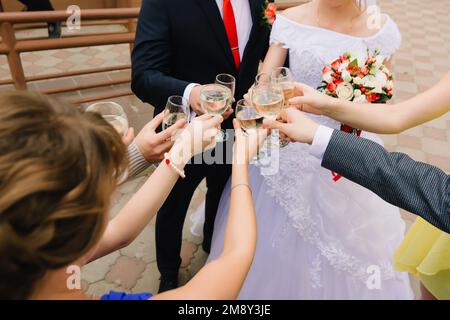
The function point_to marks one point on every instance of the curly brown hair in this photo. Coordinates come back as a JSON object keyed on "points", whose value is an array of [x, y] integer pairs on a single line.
{"points": [[58, 169]]}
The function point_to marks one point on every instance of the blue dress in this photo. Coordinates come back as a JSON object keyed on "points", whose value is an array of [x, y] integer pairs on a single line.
{"points": [[114, 295]]}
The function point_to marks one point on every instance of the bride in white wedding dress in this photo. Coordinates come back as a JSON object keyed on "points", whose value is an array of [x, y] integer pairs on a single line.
{"points": [[320, 239]]}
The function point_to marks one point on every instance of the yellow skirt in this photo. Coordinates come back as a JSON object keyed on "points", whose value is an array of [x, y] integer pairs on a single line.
{"points": [[425, 253]]}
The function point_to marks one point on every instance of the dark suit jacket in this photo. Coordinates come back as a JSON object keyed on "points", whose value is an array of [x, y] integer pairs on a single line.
{"points": [[414, 186], [183, 41]]}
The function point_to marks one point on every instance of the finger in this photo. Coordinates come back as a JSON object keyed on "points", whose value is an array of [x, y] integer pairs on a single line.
{"points": [[272, 124], [214, 121], [204, 117], [128, 137], [168, 133], [237, 126], [301, 88], [299, 100], [156, 121], [227, 113], [283, 116]]}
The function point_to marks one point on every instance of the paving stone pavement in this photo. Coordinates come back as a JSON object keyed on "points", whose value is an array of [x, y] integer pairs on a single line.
{"points": [[422, 60]]}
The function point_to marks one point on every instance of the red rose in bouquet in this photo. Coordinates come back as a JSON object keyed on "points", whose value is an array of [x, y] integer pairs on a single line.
{"points": [[358, 78]]}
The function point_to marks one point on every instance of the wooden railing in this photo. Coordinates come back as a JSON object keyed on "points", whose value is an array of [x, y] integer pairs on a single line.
{"points": [[13, 47]]}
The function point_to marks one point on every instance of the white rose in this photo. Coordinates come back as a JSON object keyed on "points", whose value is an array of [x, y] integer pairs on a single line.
{"points": [[381, 80], [358, 81], [346, 76], [361, 99], [377, 89], [369, 81], [344, 91], [327, 77], [379, 61], [357, 93]]}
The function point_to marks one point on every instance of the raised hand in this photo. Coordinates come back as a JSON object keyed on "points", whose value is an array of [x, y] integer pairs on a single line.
{"points": [[294, 126], [247, 144], [310, 100], [153, 145], [194, 100], [198, 136]]}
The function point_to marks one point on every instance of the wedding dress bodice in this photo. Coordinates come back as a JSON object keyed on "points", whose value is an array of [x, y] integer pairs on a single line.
{"points": [[337, 217], [311, 48]]}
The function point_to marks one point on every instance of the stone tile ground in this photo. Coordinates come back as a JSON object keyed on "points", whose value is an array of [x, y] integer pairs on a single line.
{"points": [[421, 61]]}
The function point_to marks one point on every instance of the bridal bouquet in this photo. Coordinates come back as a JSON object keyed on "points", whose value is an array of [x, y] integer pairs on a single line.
{"points": [[358, 78]]}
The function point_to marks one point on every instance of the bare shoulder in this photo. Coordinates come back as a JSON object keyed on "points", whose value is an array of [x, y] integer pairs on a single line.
{"points": [[298, 13], [369, 22]]}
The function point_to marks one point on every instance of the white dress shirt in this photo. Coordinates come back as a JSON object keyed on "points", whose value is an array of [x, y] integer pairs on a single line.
{"points": [[244, 23], [320, 142]]}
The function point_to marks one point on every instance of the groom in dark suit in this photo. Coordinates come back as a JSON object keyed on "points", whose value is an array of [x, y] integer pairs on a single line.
{"points": [[181, 44]]}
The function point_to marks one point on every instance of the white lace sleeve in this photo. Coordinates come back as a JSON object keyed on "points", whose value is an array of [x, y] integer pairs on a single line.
{"points": [[389, 39]]}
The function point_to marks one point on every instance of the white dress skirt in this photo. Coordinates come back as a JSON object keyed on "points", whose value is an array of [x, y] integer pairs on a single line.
{"points": [[319, 239]]}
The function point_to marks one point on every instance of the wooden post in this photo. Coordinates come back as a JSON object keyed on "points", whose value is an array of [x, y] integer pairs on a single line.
{"points": [[131, 22], [15, 64]]}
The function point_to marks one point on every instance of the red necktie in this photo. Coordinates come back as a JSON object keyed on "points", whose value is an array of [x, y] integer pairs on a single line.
{"points": [[230, 27]]}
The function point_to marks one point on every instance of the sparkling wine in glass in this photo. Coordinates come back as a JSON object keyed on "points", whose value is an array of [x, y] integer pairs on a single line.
{"points": [[113, 113], [249, 120], [268, 100], [283, 77], [228, 81], [177, 108], [247, 116], [215, 99], [267, 97]]}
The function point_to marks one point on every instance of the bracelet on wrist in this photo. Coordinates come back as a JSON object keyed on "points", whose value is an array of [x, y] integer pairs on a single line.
{"points": [[169, 162]]}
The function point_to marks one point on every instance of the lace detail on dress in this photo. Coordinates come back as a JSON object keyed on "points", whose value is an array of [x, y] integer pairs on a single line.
{"points": [[314, 271], [294, 186]]}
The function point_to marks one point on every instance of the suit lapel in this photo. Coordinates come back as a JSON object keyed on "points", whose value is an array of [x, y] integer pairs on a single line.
{"points": [[256, 9], [212, 14]]}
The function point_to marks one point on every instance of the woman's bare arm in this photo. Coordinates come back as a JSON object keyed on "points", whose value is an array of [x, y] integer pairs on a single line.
{"points": [[143, 206], [223, 277], [385, 119]]}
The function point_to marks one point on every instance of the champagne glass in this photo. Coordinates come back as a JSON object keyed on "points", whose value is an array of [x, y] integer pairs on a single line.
{"points": [[177, 108], [283, 77], [113, 113], [249, 120], [248, 117], [228, 81], [268, 99], [215, 99]]}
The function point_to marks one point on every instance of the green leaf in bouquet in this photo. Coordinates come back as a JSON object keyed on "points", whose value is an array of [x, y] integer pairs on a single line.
{"points": [[383, 99], [354, 63]]}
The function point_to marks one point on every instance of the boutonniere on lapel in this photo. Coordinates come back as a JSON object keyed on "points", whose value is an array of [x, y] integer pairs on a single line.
{"points": [[269, 13]]}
